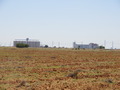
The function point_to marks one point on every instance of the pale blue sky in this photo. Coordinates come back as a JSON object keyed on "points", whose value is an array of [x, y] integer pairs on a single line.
{"points": [[61, 21]]}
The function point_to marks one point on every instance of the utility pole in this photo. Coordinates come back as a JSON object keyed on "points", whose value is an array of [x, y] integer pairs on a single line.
{"points": [[105, 43], [58, 44], [52, 43], [112, 44]]}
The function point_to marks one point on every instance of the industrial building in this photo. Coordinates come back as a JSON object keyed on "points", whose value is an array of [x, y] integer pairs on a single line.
{"points": [[31, 43], [85, 46]]}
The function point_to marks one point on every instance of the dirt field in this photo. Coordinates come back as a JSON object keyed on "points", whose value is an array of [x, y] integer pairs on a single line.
{"points": [[51, 69]]}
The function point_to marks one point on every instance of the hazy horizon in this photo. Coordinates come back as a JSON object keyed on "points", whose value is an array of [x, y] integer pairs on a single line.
{"points": [[60, 21]]}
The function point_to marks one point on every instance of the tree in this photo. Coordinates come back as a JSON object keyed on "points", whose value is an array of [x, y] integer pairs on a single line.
{"points": [[46, 46], [22, 45], [101, 47]]}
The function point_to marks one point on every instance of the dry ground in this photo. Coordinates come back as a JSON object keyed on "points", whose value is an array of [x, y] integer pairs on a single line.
{"points": [[47, 69]]}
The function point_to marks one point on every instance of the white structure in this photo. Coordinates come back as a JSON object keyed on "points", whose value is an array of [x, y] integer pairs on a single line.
{"points": [[31, 43], [85, 46]]}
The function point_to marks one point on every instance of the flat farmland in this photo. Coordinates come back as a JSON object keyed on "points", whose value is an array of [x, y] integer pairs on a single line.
{"points": [[52, 69]]}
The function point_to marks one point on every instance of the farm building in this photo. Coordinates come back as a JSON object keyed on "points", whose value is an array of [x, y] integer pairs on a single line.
{"points": [[85, 46], [31, 43]]}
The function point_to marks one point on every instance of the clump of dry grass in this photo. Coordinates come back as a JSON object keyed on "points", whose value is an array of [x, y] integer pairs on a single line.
{"points": [[109, 81], [74, 74], [23, 83]]}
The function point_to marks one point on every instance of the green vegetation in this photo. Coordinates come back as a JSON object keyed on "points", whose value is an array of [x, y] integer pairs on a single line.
{"points": [[22, 45], [101, 47], [46, 46]]}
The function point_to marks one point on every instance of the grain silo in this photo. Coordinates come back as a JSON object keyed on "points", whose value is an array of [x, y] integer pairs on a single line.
{"points": [[30, 42]]}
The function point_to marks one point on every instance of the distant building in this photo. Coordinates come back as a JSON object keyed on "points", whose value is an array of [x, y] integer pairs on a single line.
{"points": [[85, 46], [31, 43]]}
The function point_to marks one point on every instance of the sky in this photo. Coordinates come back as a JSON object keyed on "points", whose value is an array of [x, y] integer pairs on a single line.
{"points": [[60, 22]]}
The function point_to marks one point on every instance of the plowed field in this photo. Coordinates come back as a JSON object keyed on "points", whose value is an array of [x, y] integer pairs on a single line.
{"points": [[47, 69]]}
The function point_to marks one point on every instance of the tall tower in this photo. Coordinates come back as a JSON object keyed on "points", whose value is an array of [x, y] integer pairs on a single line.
{"points": [[27, 39]]}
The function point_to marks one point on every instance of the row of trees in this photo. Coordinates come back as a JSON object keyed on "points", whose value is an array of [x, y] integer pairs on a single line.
{"points": [[22, 45]]}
